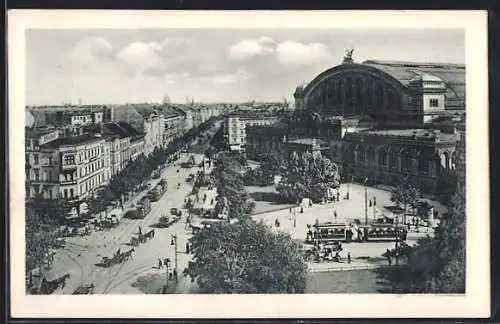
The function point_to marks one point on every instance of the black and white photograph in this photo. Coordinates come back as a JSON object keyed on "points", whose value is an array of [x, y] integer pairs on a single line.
{"points": [[333, 161]]}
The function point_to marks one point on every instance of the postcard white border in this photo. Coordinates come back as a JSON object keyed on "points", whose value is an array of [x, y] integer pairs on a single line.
{"points": [[475, 303]]}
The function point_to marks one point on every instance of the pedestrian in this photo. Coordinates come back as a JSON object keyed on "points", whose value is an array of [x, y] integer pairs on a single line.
{"points": [[338, 195], [301, 209], [388, 254], [175, 274], [140, 230], [165, 262], [160, 265], [335, 215], [212, 201], [370, 203], [374, 201], [290, 210], [348, 257], [310, 203], [294, 222], [187, 247]]}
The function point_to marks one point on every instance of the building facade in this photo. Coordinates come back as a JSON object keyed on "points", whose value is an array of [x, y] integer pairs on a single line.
{"points": [[264, 140], [69, 166], [424, 156], [42, 164], [146, 119], [174, 124], [126, 144], [385, 120], [236, 124], [61, 116]]}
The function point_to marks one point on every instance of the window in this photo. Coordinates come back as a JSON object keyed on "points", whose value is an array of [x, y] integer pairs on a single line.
{"points": [[65, 193], [382, 158], [69, 159], [81, 189], [405, 162], [37, 174], [361, 156], [27, 159], [35, 157], [71, 193], [393, 160], [423, 165], [434, 102]]}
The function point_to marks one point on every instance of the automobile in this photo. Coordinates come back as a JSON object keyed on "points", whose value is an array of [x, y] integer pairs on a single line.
{"points": [[175, 212]]}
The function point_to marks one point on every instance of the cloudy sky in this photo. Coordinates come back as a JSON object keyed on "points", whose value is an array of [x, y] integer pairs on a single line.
{"points": [[118, 66]]}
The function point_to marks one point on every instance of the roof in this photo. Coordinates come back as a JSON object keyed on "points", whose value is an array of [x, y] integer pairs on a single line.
{"points": [[276, 129], [36, 132], [122, 129], [453, 75], [72, 140], [169, 111], [307, 141], [419, 133]]}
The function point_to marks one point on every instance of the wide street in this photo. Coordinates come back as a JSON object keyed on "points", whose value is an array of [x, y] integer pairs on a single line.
{"points": [[79, 255]]}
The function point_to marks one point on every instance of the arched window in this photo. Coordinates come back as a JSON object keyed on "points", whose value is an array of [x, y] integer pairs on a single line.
{"points": [[423, 164], [370, 155], [405, 161], [445, 160], [393, 160], [348, 90], [382, 158], [361, 155]]}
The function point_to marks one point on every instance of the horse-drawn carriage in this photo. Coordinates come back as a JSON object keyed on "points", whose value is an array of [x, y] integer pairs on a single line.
{"points": [[84, 289], [328, 253], [117, 258]]}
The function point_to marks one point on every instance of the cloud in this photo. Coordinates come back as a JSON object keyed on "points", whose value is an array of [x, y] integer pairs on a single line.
{"points": [[288, 53], [249, 48], [153, 58], [141, 55], [91, 49], [238, 76], [294, 53]]}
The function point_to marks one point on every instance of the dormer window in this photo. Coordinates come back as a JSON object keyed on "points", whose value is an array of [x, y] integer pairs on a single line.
{"points": [[434, 103]]}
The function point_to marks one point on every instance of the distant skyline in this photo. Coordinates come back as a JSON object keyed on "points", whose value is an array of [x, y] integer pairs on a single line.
{"points": [[104, 66]]}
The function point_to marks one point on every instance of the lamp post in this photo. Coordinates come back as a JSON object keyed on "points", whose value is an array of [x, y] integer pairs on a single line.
{"points": [[173, 242], [374, 211], [165, 290]]}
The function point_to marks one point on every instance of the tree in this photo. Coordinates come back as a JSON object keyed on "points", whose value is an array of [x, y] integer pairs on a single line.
{"points": [[229, 182], [405, 194], [436, 264], [246, 257], [308, 176], [274, 164]]}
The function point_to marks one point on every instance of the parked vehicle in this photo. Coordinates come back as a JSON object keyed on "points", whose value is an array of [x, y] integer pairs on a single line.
{"points": [[84, 289]]}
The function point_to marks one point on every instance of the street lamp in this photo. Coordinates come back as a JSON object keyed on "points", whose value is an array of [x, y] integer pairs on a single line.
{"points": [[397, 239], [165, 288], [173, 242]]}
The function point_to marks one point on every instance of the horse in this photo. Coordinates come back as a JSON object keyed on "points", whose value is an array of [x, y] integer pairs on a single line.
{"points": [[127, 255], [150, 234], [48, 287]]}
